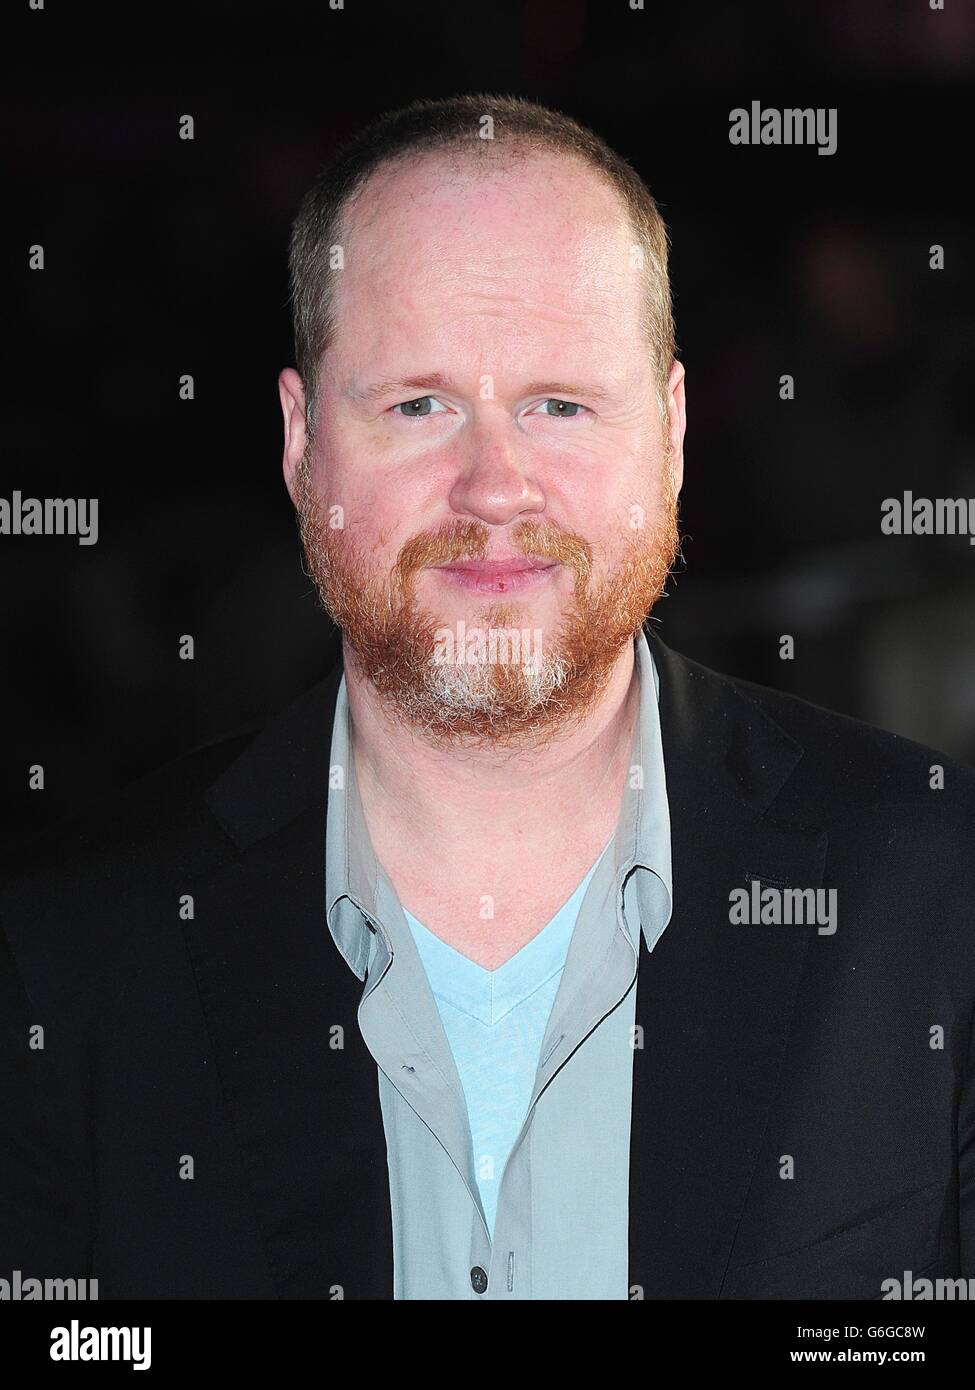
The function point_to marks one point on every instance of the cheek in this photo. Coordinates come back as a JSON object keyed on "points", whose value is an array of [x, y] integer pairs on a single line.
{"points": [[383, 517], [600, 504], [371, 496], [627, 513]]}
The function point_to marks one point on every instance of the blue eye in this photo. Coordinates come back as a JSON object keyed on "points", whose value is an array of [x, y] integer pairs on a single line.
{"points": [[566, 410], [415, 410]]}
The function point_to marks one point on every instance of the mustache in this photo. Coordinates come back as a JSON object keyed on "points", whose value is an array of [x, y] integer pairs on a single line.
{"points": [[469, 540]]}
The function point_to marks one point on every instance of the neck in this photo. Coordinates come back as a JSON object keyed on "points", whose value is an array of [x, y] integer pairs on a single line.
{"points": [[438, 797]]}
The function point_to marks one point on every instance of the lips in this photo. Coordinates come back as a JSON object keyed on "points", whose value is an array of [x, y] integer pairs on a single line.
{"points": [[498, 569]]}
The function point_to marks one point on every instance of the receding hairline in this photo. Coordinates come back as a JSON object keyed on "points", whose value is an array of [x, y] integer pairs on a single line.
{"points": [[464, 165]]}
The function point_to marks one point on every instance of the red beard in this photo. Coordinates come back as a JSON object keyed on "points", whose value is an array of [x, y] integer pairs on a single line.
{"points": [[392, 640]]}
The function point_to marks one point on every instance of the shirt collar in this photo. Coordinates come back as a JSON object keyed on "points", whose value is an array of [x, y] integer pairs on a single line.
{"points": [[640, 850], [351, 868]]}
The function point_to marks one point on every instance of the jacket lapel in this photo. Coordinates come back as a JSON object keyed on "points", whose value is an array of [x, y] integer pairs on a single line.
{"points": [[281, 1009], [714, 1001]]}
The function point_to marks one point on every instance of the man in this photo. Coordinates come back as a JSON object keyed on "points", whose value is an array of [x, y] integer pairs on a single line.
{"points": [[523, 958]]}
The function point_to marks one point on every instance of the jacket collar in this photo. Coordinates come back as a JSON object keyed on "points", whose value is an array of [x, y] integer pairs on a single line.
{"points": [[282, 771]]}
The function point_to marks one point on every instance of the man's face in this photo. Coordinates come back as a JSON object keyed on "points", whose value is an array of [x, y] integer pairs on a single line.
{"points": [[489, 397]]}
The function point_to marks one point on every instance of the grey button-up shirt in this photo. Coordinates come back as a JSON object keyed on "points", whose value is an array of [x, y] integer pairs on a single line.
{"points": [[561, 1229]]}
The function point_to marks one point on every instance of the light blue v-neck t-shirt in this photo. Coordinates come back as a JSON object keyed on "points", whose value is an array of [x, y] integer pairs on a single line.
{"points": [[495, 1021]]}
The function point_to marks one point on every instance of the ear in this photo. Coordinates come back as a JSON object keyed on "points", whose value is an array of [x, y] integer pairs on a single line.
{"points": [[676, 421], [292, 394]]}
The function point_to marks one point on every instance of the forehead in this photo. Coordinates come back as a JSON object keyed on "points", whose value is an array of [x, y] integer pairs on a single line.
{"points": [[448, 244]]}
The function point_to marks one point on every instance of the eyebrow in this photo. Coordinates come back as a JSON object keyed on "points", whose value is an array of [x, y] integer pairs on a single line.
{"points": [[436, 381], [432, 381]]}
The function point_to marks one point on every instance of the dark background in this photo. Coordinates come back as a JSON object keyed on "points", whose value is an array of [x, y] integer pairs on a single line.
{"points": [[166, 257]]}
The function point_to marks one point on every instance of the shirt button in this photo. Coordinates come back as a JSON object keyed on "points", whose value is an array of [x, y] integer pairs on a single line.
{"points": [[478, 1279]]}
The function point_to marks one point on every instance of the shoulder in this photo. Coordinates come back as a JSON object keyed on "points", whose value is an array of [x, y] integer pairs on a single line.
{"points": [[93, 891], [75, 896], [864, 765], [840, 762], [895, 817]]}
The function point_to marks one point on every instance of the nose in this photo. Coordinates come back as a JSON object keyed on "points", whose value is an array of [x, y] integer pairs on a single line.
{"points": [[495, 479]]}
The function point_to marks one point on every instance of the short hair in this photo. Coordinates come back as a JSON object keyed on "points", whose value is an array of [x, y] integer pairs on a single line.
{"points": [[518, 127]]}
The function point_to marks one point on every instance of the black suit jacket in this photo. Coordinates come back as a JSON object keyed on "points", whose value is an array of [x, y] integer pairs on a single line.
{"points": [[176, 1045]]}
